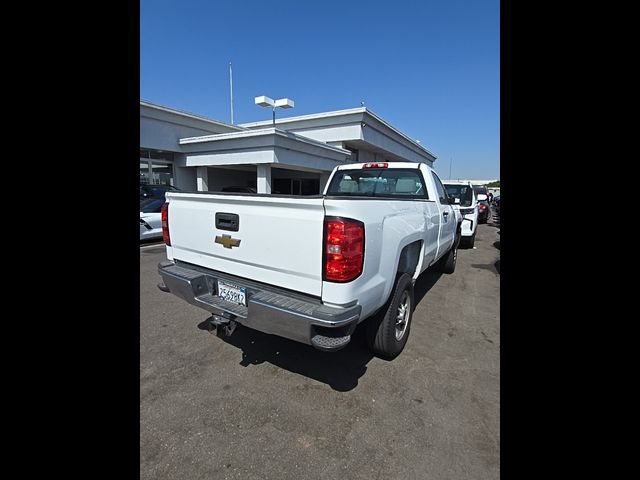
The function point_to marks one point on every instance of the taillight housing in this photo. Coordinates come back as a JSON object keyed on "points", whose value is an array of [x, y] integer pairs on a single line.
{"points": [[343, 249], [165, 223]]}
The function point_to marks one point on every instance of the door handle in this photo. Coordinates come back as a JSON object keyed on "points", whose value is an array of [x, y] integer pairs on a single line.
{"points": [[227, 221], [445, 214]]}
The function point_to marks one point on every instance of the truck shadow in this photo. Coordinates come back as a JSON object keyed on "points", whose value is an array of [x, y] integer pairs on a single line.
{"points": [[340, 370], [425, 282]]}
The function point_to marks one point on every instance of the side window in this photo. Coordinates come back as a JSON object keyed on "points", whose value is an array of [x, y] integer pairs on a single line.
{"points": [[442, 194]]}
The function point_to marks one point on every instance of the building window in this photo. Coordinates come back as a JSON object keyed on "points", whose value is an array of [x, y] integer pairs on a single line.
{"points": [[282, 186], [144, 172], [158, 155], [296, 186], [310, 186], [161, 173], [156, 167]]}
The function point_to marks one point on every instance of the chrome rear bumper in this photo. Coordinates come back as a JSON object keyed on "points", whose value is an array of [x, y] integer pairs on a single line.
{"points": [[270, 310]]}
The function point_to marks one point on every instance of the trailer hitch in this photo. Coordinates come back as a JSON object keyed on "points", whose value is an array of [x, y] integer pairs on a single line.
{"points": [[228, 325]]}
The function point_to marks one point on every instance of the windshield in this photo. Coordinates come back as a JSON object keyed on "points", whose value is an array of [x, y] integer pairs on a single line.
{"points": [[378, 182], [463, 192], [480, 189], [151, 205]]}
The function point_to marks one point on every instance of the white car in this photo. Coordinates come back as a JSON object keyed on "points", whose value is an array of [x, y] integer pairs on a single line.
{"points": [[150, 218], [468, 207]]}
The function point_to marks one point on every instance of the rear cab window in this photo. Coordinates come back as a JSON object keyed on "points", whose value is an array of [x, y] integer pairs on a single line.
{"points": [[399, 183]]}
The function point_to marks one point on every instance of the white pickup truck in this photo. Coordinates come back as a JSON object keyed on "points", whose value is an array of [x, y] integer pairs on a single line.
{"points": [[312, 268]]}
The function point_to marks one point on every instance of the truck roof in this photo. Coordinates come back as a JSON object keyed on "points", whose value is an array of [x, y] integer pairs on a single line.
{"points": [[353, 166]]}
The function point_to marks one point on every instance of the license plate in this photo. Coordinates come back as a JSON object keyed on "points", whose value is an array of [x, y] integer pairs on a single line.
{"points": [[232, 293]]}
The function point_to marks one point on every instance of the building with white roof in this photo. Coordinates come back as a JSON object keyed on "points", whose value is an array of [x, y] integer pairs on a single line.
{"points": [[196, 153]]}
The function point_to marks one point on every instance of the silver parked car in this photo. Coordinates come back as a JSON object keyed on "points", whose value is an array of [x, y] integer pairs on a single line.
{"points": [[151, 218]]}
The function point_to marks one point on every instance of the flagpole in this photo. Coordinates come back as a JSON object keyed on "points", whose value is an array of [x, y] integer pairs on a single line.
{"points": [[231, 90]]}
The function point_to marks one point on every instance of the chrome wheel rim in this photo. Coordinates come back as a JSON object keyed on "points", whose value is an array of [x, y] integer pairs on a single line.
{"points": [[402, 315]]}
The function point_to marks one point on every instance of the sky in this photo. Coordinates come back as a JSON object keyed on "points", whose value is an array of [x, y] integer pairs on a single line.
{"points": [[429, 68]]}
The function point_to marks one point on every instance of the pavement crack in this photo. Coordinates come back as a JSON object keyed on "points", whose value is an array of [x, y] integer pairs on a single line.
{"points": [[485, 336]]}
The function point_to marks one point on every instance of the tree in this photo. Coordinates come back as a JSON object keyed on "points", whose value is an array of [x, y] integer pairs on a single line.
{"points": [[495, 184]]}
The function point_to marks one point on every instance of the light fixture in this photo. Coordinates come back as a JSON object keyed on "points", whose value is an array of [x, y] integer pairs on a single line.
{"points": [[265, 101]]}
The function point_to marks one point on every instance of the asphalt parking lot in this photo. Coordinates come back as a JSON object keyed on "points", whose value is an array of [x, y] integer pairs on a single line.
{"points": [[255, 406]]}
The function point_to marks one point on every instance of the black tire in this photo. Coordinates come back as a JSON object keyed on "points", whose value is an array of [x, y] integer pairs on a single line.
{"points": [[384, 328], [448, 262]]}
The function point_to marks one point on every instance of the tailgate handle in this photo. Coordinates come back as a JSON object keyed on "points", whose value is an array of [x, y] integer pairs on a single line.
{"points": [[227, 221]]}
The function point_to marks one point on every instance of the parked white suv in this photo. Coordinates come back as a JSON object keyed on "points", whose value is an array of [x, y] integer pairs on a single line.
{"points": [[467, 204]]}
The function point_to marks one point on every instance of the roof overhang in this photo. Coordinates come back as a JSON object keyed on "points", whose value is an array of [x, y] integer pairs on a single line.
{"points": [[180, 117], [266, 145], [353, 125]]}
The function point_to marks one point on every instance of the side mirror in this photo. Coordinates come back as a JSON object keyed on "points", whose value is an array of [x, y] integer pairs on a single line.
{"points": [[482, 197]]}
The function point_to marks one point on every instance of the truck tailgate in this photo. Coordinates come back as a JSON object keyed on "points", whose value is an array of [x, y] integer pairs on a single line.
{"points": [[280, 237]]}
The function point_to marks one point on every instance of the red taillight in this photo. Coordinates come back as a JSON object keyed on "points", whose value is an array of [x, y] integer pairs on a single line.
{"points": [[376, 165], [165, 223], [481, 206], [343, 249]]}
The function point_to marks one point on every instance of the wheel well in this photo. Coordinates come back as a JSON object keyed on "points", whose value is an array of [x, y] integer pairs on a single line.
{"points": [[409, 258], [407, 264]]}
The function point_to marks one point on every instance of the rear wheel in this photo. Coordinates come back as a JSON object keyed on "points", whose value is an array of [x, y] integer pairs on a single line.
{"points": [[448, 262], [388, 330]]}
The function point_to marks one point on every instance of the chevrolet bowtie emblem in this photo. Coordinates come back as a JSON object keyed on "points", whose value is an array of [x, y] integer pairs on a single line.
{"points": [[227, 242]]}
